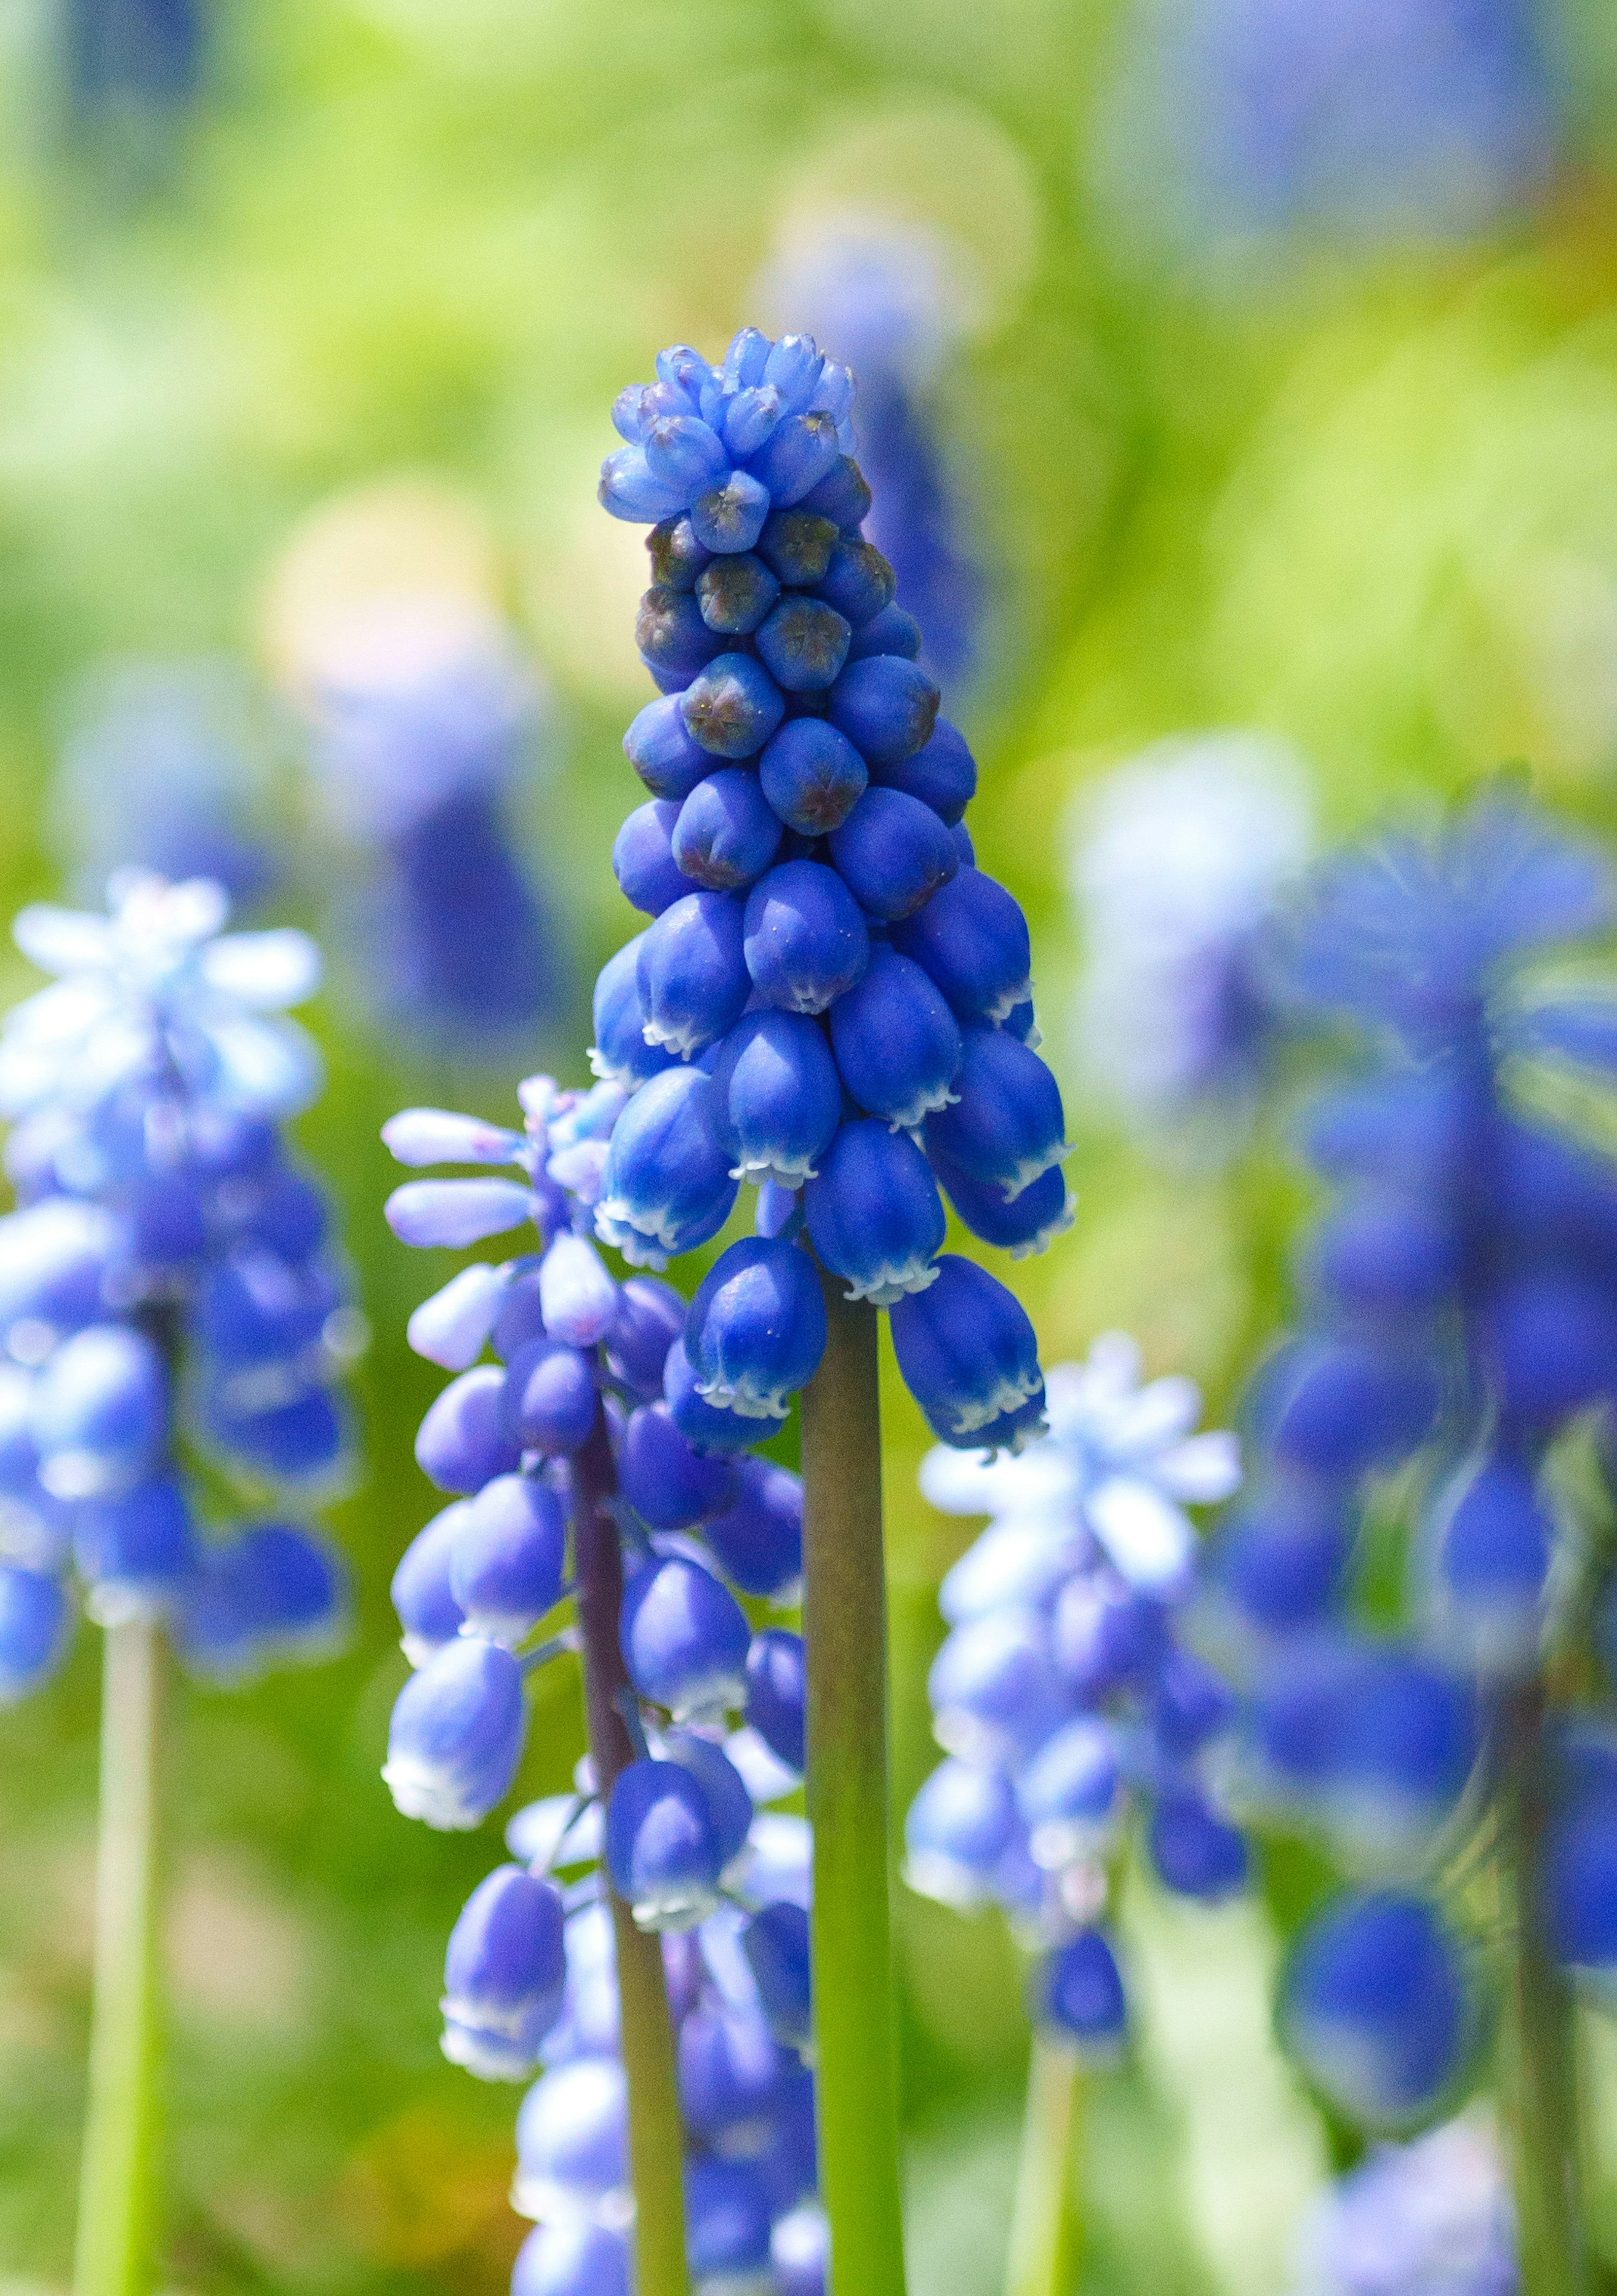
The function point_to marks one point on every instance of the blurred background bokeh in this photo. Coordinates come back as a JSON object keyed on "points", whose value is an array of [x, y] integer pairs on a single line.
{"points": [[1239, 391]]}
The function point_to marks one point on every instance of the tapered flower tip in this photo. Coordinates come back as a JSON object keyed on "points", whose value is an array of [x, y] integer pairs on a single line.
{"points": [[438, 1135], [662, 1846], [1377, 2007], [572, 2256], [36, 1627], [457, 1735], [970, 1357], [1079, 1994], [504, 1974], [452, 1328], [572, 2141], [456, 1213]]}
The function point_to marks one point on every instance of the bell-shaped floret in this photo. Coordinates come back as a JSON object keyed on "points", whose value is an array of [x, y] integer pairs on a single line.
{"points": [[757, 1539], [973, 939], [875, 1213], [1490, 1540], [1025, 1225], [669, 1485], [1068, 1793], [36, 1627], [99, 1412], [812, 775], [897, 1046], [504, 1975], [729, 2075], [508, 1558], [422, 1593], [757, 1327], [1195, 1852], [893, 853], [662, 1846], [703, 1425], [780, 1094], [668, 1170], [573, 2142], [730, 1804], [942, 773], [858, 582], [1384, 1254], [572, 2256], [776, 1942], [727, 832], [664, 751], [692, 973], [674, 641], [1005, 1126], [1335, 1406], [970, 1357], [1079, 1994], [726, 2207], [136, 1552], [441, 1136], [456, 1213], [456, 1734], [548, 1403], [959, 1826], [731, 708], [650, 1317], [805, 942], [56, 1258], [272, 1596], [1376, 2006], [1279, 1560], [578, 1298], [648, 876], [777, 1694], [993, 1686], [628, 489], [886, 706], [463, 1441], [452, 1328], [621, 1052], [684, 1639]]}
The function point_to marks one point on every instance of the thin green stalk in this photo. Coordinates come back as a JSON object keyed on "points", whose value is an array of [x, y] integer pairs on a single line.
{"points": [[656, 2151], [1042, 2260], [845, 1630], [1543, 2087], [117, 2195]]}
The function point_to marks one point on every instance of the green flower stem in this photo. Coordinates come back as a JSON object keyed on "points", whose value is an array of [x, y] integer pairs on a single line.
{"points": [[656, 2153], [1543, 2087], [845, 1629], [1042, 2260], [117, 2197]]}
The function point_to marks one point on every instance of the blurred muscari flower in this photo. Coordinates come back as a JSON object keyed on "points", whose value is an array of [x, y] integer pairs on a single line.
{"points": [[165, 1283], [886, 293], [423, 712], [1459, 1318], [132, 67], [1360, 119], [1063, 1696], [1179, 868], [1431, 2218]]}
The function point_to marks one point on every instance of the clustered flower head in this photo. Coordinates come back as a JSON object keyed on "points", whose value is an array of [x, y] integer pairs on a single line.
{"points": [[485, 1593], [1459, 1330], [167, 1288], [1063, 1696], [831, 1000]]}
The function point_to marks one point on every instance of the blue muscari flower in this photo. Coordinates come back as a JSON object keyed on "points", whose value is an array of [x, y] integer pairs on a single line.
{"points": [[167, 1276], [1080, 1996], [36, 1627], [1378, 2007], [456, 1734], [1434, 2213], [780, 1094], [777, 1694], [757, 1327], [504, 1974], [684, 1639], [133, 67]]}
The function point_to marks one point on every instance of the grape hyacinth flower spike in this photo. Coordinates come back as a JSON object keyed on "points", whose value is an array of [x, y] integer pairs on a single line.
{"points": [[646, 1954], [169, 1296], [840, 1008]]}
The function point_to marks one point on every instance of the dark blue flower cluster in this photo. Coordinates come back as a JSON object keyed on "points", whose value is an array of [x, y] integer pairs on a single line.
{"points": [[167, 1282], [831, 1000], [485, 1593], [1063, 1696], [1459, 1327]]}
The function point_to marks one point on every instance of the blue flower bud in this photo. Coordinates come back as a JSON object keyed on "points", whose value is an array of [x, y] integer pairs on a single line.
{"points": [[893, 630], [728, 833], [452, 1327], [804, 643], [793, 367], [685, 456], [993, 1686], [1195, 1852], [549, 1400], [56, 1261], [726, 2220], [643, 859], [894, 854], [776, 1942], [886, 706], [669, 1485], [796, 544], [897, 1046], [463, 1442], [664, 752], [1334, 1406], [1005, 1126], [457, 1735], [99, 1412], [1376, 2006], [959, 1826], [798, 453], [691, 972], [732, 708], [703, 1425], [628, 490], [874, 1214], [668, 1173], [858, 582], [800, 2250], [759, 1538], [969, 1357], [973, 939], [1486, 1578], [684, 1639], [574, 2256], [674, 641], [36, 1627], [756, 1328], [1068, 1793], [736, 594], [420, 1590], [1080, 1993], [1280, 1559], [504, 1975], [676, 556], [572, 2141], [650, 1317], [456, 1213], [508, 1558], [805, 942], [780, 1094], [620, 1052], [662, 1847], [730, 1804], [750, 418], [841, 496], [439, 1135], [777, 1694], [812, 775], [729, 517], [942, 773], [135, 1551]]}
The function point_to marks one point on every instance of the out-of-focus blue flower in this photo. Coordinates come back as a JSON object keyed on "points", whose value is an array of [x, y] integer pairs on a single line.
{"points": [[132, 65], [1431, 2218], [1378, 2006]]}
